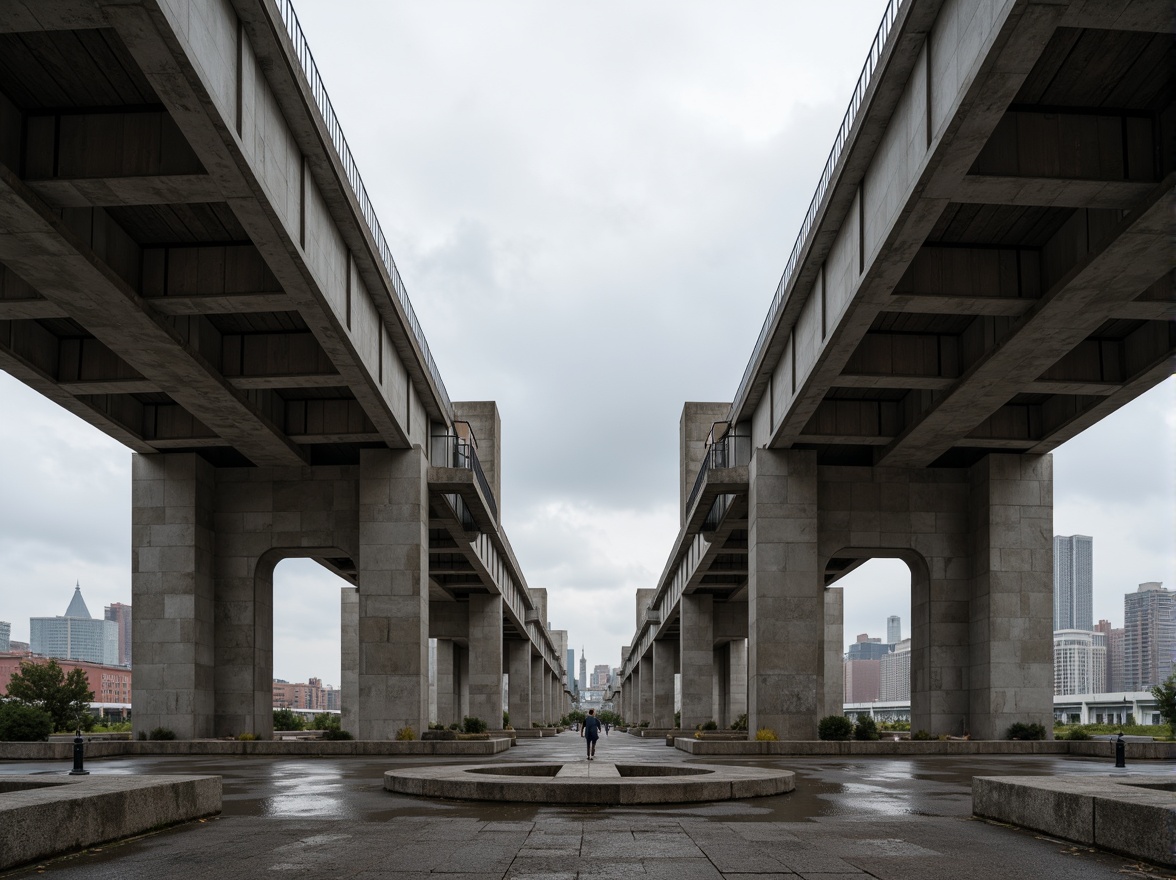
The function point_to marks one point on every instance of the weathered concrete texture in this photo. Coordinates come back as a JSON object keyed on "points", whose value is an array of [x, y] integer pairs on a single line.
{"points": [[696, 642], [172, 502], [486, 658], [665, 666], [539, 691], [693, 429], [786, 603], [393, 592], [42, 816], [589, 783], [1133, 815], [63, 752], [519, 670]]}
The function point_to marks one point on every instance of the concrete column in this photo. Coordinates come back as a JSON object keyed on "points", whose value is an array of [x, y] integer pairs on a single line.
{"points": [[520, 684], [349, 658], [1011, 521], [736, 680], [719, 684], [172, 592], [786, 603], [696, 658], [645, 710], [665, 666], [486, 659], [461, 684], [538, 691], [834, 650], [447, 681], [393, 592]]}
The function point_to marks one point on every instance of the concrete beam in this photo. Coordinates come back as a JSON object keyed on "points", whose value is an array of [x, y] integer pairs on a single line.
{"points": [[50, 254], [1089, 288]]}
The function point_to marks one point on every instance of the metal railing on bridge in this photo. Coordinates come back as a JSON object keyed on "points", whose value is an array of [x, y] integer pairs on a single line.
{"points": [[449, 450], [810, 217], [319, 91], [732, 450]]}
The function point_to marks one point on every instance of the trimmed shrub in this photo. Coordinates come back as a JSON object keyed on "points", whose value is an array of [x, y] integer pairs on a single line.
{"points": [[324, 721], [677, 721], [506, 721], [740, 723], [286, 719], [21, 723], [405, 734], [710, 725], [765, 734], [159, 733], [1077, 734], [1024, 731], [921, 735], [246, 737], [866, 728], [473, 725], [335, 733], [835, 727]]}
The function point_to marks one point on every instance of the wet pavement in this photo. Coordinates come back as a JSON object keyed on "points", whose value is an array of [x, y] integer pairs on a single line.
{"points": [[848, 817]]}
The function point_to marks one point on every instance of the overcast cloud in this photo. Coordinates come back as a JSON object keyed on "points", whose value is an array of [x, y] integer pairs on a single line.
{"points": [[591, 205]]}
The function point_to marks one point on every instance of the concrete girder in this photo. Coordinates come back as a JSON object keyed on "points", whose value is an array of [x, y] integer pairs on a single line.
{"points": [[1086, 296], [152, 42], [43, 249]]}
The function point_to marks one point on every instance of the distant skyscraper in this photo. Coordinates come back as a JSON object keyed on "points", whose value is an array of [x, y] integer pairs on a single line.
{"points": [[583, 670], [862, 681], [600, 675], [895, 673], [1080, 662], [1073, 582], [894, 629], [121, 614], [76, 635], [1114, 673], [5, 635], [1149, 636], [866, 648]]}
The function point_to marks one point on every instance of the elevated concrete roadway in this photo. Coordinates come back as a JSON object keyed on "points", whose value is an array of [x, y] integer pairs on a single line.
{"points": [[189, 261], [986, 269]]}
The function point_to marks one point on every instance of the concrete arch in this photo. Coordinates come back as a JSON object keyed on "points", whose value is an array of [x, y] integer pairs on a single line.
{"points": [[244, 626], [922, 674]]}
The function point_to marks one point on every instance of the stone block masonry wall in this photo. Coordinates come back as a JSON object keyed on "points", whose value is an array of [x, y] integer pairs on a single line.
{"points": [[786, 604], [393, 592], [1011, 618], [172, 499], [205, 544]]}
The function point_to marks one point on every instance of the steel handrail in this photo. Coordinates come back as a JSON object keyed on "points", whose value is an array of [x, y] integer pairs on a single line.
{"points": [[318, 90], [449, 450], [733, 450], [802, 239]]}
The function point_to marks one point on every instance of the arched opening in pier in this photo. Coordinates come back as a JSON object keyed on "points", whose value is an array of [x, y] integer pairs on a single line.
{"points": [[309, 595], [873, 609]]}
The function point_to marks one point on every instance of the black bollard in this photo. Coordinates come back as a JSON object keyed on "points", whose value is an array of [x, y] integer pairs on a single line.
{"points": [[1120, 752], [78, 769]]}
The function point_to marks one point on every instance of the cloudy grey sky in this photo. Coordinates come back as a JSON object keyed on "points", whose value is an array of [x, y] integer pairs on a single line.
{"points": [[591, 205]]}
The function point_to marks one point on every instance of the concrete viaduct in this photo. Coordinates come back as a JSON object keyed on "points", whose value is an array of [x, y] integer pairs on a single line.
{"points": [[189, 261], [986, 269]]}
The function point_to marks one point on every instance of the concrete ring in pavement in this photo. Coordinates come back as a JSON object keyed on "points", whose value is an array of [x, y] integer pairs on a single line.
{"points": [[589, 783]]}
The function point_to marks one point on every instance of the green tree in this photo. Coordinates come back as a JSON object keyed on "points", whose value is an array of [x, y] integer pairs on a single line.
{"points": [[287, 719], [1165, 695], [21, 723], [64, 698]]}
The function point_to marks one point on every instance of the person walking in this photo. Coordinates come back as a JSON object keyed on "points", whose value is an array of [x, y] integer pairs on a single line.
{"points": [[590, 730]]}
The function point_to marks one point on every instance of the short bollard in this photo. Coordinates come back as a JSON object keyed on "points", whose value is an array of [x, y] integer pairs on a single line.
{"points": [[1120, 752], [78, 769]]}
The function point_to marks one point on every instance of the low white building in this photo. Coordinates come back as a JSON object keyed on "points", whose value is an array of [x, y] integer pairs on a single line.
{"points": [[1080, 662]]}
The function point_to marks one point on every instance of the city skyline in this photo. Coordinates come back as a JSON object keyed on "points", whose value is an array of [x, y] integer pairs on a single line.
{"points": [[617, 226]]}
